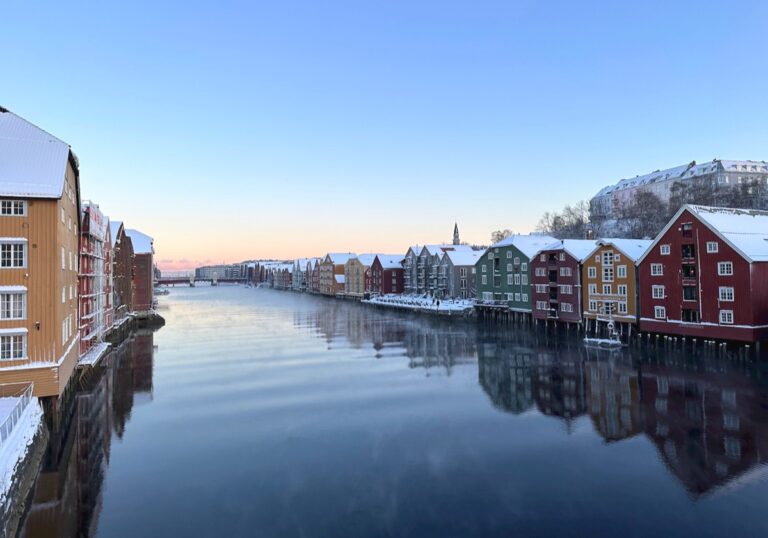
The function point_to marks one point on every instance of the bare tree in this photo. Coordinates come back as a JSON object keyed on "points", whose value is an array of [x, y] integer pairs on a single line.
{"points": [[572, 223], [500, 235]]}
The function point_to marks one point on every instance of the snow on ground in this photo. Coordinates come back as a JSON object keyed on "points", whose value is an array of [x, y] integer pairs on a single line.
{"points": [[420, 302], [94, 354], [15, 446]]}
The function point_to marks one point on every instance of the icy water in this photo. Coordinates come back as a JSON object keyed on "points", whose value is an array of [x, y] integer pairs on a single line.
{"points": [[264, 413]]}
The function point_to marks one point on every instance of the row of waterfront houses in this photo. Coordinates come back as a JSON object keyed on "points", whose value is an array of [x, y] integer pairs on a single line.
{"points": [[704, 276], [68, 273]]}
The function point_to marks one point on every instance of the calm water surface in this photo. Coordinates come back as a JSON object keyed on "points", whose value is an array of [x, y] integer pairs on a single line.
{"points": [[261, 413]]}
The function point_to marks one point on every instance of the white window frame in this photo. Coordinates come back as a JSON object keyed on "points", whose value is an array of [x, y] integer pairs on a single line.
{"points": [[713, 247], [721, 268], [665, 249], [726, 317], [13, 253], [658, 292], [7, 342], [657, 269], [726, 293], [9, 301], [659, 312], [592, 272], [10, 208], [621, 271]]}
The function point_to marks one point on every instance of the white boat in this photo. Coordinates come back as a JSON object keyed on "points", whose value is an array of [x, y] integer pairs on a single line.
{"points": [[611, 342]]}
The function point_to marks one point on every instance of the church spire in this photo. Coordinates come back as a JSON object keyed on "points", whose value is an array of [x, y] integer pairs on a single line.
{"points": [[456, 240]]}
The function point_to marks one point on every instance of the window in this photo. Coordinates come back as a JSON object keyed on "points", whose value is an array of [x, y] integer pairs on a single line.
{"points": [[621, 289], [487, 296], [517, 279], [509, 280], [13, 207], [597, 258], [62, 215], [12, 305], [509, 254], [70, 260], [658, 292], [592, 289], [725, 293], [540, 271], [483, 268], [689, 293], [490, 255], [607, 274], [606, 289], [517, 260], [524, 267], [621, 271], [463, 283], [13, 254], [725, 268], [688, 251], [608, 258], [664, 250], [712, 247], [566, 289], [657, 269], [524, 297], [726, 317], [509, 267], [562, 256], [566, 307], [622, 307], [592, 272], [63, 259], [660, 312], [524, 280], [593, 306], [543, 258], [565, 271], [13, 346], [541, 305], [484, 280], [541, 288], [517, 297], [64, 294], [462, 271]]}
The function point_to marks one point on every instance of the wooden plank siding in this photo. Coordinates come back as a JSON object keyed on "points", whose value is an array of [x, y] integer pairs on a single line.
{"points": [[49, 226]]}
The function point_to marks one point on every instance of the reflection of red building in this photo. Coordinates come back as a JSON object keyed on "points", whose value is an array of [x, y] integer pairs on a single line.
{"points": [[708, 428], [558, 385], [143, 270]]}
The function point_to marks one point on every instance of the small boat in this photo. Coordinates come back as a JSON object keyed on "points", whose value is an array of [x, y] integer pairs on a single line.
{"points": [[613, 342], [162, 291]]}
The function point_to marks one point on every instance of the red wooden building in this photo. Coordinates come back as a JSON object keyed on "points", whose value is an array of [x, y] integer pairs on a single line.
{"points": [[385, 275], [556, 280], [314, 276], [143, 270], [706, 275]]}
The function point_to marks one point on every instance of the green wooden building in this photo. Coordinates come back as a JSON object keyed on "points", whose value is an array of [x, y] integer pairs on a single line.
{"points": [[503, 272]]}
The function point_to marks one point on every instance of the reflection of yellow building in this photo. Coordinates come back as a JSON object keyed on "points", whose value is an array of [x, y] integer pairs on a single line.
{"points": [[355, 271], [39, 232]]}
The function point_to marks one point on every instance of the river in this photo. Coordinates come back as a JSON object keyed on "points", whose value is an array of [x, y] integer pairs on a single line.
{"points": [[262, 413]]}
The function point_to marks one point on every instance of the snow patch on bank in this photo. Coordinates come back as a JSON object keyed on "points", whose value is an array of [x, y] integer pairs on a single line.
{"points": [[15, 447], [422, 303]]}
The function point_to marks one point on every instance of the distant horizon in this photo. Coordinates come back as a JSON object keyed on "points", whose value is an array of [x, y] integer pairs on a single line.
{"points": [[241, 131]]}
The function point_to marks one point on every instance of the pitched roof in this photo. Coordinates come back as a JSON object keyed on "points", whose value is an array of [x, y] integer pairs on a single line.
{"points": [[632, 248], [365, 259], [445, 247], [745, 229], [463, 257], [578, 248], [33, 163], [527, 244], [114, 228], [142, 243], [340, 258], [390, 261]]}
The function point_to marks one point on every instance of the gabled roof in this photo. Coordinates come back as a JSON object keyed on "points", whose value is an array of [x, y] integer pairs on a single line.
{"points": [[365, 259], [633, 249], [339, 258], [33, 163], [463, 257], [745, 230], [578, 248], [527, 244], [445, 247], [142, 243], [114, 229], [390, 261]]}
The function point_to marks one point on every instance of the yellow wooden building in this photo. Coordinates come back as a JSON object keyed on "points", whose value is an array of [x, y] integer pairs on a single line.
{"points": [[39, 231]]}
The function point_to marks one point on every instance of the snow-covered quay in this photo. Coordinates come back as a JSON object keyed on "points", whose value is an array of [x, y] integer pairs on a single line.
{"points": [[419, 303]]}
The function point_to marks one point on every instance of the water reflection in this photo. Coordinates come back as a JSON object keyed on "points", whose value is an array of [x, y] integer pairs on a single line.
{"points": [[706, 416], [67, 497]]}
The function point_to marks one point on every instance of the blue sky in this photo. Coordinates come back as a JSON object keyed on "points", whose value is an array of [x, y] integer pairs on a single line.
{"points": [[235, 130]]}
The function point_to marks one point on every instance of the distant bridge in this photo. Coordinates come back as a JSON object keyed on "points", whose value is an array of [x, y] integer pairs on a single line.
{"points": [[191, 281]]}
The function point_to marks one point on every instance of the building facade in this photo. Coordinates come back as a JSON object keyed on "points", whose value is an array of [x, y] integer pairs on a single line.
{"points": [[93, 276], [332, 272], [610, 281], [386, 275], [122, 271], [143, 271], [503, 272], [356, 274], [39, 236], [556, 281], [456, 274], [706, 275]]}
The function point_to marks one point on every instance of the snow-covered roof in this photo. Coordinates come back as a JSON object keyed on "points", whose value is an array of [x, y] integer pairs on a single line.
{"points": [[745, 229], [390, 261], [114, 228], [527, 244], [340, 258], [632, 248], [578, 248], [33, 163], [463, 257], [445, 247], [142, 243], [365, 259], [339, 279], [685, 171]]}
